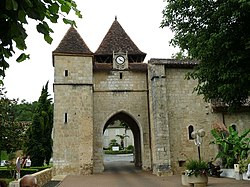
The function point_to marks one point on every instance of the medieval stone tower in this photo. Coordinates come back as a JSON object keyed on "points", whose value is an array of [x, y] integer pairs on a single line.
{"points": [[91, 90]]}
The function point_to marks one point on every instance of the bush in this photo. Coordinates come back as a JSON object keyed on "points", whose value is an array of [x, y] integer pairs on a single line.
{"points": [[130, 148], [4, 155], [10, 173], [233, 147], [244, 165], [118, 152], [6, 172], [196, 167]]}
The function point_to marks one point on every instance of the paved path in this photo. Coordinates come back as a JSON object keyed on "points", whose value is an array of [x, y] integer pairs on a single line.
{"points": [[122, 173], [127, 176]]}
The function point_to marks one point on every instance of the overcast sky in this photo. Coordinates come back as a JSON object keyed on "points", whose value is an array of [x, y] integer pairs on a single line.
{"points": [[139, 18]]}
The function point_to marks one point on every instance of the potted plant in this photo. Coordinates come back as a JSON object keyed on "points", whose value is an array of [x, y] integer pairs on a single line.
{"points": [[196, 172]]}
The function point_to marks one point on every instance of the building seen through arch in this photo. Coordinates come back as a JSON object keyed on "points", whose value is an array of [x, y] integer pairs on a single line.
{"points": [[115, 130]]}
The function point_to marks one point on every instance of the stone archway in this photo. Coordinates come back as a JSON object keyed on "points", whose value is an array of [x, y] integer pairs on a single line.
{"points": [[136, 133]]}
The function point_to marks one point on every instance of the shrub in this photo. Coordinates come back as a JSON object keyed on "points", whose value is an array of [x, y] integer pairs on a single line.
{"points": [[232, 146], [243, 164], [118, 152], [130, 148], [196, 167], [112, 143], [9, 172]]}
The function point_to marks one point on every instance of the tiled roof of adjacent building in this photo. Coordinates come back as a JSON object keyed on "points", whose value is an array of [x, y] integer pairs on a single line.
{"points": [[117, 40], [72, 43], [173, 63]]}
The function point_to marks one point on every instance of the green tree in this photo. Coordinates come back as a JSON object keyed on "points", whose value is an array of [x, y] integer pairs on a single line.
{"points": [[122, 137], [217, 34], [11, 131], [24, 111], [125, 125], [13, 18], [39, 141]]}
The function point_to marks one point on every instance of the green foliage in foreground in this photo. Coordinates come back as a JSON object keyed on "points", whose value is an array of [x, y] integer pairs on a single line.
{"points": [[14, 16], [233, 146]]}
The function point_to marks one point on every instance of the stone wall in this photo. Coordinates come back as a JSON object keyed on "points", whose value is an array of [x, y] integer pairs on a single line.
{"points": [[184, 108], [42, 177], [129, 95], [159, 121], [73, 116], [159, 104]]}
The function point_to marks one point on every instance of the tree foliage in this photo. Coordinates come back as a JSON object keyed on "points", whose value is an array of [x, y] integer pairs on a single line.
{"points": [[11, 131], [39, 141], [122, 137], [217, 34], [14, 16], [24, 111]]}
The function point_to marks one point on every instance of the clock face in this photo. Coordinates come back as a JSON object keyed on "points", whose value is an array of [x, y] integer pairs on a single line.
{"points": [[120, 59]]}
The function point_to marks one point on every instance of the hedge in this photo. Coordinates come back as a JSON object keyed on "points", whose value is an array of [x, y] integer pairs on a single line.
{"points": [[10, 172]]}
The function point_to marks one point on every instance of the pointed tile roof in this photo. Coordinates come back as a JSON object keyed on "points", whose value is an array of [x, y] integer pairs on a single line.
{"points": [[72, 43], [117, 40]]}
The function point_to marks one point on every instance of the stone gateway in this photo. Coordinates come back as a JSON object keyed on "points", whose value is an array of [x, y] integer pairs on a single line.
{"points": [[92, 90]]}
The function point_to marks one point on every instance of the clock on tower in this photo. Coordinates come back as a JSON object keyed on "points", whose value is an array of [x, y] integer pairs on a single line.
{"points": [[120, 61]]}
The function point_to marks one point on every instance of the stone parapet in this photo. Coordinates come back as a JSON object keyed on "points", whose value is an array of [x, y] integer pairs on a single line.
{"points": [[42, 177]]}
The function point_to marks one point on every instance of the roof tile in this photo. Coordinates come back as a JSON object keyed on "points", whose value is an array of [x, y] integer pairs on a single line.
{"points": [[117, 40], [72, 43]]}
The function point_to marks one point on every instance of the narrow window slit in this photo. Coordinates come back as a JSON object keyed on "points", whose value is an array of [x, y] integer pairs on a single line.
{"points": [[65, 118], [190, 130], [66, 73]]}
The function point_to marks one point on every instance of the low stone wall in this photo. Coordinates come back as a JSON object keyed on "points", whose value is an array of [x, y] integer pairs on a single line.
{"points": [[42, 177]]}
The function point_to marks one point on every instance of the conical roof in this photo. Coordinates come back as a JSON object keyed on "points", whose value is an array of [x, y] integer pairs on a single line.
{"points": [[117, 40], [72, 43]]}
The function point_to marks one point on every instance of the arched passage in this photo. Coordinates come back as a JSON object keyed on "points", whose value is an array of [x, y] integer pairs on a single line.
{"points": [[136, 133]]}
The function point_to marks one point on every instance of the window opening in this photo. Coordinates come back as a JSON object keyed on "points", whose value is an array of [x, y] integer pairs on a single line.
{"points": [[66, 73], [190, 130], [234, 127], [182, 163], [65, 118], [120, 75]]}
